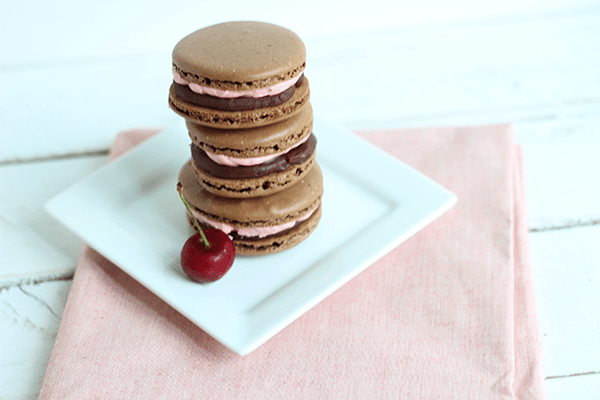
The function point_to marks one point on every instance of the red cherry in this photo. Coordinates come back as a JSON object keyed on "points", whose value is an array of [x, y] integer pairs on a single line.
{"points": [[207, 264], [207, 255]]}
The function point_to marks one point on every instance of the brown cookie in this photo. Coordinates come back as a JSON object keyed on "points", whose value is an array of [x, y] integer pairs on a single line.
{"points": [[253, 162], [259, 225], [253, 142], [254, 187], [238, 75]]}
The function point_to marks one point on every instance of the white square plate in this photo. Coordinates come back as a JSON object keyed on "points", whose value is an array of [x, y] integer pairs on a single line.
{"points": [[130, 212]]}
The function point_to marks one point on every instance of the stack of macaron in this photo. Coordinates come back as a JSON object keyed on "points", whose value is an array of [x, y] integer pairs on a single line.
{"points": [[241, 88]]}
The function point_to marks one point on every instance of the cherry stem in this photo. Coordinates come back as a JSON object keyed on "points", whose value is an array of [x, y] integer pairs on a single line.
{"points": [[196, 223]]}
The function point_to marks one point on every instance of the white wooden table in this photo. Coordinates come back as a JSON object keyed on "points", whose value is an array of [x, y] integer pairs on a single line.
{"points": [[73, 74]]}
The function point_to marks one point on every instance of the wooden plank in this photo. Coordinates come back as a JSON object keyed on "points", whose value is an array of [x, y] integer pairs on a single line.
{"points": [[561, 164], [81, 107], [29, 320], [507, 69], [66, 31], [567, 282], [460, 73], [34, 246]]}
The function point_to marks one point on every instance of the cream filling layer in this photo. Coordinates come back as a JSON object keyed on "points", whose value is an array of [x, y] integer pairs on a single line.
{"points": [[261, 232], [230, 94], [248, 162]]}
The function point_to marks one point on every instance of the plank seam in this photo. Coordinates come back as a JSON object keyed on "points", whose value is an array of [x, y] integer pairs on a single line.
{"points": [[572, 375], [83, 154], [36, 280], [570, 225]]}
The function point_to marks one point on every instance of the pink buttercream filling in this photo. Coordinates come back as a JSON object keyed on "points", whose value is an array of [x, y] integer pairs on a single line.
{"points": [[251, 232], [248, 162], [229, 94]]}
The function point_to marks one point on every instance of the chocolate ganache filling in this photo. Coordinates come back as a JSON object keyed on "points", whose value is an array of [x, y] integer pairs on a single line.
{"points": [[297, 155], [235, 104]]}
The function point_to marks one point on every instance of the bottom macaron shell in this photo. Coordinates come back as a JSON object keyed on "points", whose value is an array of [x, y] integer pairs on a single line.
{"points": [[241, 119], [254, 187], [279, 242]]}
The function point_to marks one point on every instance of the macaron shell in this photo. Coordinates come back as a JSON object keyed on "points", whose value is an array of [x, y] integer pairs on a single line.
{"points": [[253, 142], [274, 209], [240, 55], [254, 187], [275, 243], [242, 119]]}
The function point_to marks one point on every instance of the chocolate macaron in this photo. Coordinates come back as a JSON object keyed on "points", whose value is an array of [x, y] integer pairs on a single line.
{"points": [[239, 75], [258, 225], [256, 161]]}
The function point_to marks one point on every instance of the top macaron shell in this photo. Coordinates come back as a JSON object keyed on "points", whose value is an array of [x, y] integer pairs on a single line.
{"points": [[262, 62], [240, 56]]}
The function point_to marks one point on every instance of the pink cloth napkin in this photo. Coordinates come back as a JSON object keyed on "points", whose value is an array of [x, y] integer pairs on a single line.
{"points": [[449, 314]]}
